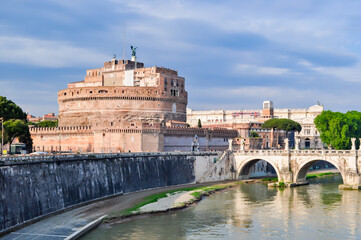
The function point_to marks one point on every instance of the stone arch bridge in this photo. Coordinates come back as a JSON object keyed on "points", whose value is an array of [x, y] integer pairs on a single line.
{"points": [[291, 166]]}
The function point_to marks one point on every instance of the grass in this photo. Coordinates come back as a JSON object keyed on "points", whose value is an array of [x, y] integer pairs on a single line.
{"points": [[151, 199], [199, 192], [317, 175]]}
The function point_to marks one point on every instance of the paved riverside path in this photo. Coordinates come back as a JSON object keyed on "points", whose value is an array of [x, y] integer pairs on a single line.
{"points": [[64, 224]]}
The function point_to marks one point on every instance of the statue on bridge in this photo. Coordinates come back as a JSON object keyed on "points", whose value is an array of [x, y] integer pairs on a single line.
{"points": [[297, 143], [230, 144], [287, 144], [353, 141], [242, 144]]}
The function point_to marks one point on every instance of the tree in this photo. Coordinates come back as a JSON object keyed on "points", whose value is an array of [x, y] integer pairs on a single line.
{"points": [[48, 124], [199, 123], [253, 134], [14, 128], [282, 124], [14, 123], [336, 129], [9, 110]]}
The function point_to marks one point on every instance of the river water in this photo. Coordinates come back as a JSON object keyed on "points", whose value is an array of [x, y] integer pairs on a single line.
{"points": [[253, 211]]}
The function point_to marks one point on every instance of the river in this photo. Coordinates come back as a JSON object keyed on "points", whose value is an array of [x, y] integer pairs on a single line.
{"points": [[253, 211]]}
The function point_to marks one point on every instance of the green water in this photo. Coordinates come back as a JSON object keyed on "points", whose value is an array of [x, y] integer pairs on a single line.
{"points": [[253, 211]]}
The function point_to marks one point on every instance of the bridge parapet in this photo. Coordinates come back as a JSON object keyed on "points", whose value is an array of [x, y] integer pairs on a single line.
{"points": [[262, 152], [299, 152]]}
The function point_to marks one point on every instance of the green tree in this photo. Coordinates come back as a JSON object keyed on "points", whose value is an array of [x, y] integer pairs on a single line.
{"points": [[48, 124], [199, 123], [282, 124], [336, 129], [253, 134], [9, 110], [15, 125], [14, 128]]}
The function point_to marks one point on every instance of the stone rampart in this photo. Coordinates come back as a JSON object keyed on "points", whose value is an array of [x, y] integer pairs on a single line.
{"points": [[35, 186], [118, 93]]}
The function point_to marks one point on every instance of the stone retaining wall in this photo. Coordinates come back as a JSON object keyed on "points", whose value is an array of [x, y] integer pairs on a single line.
{"points": [[32, 187]]}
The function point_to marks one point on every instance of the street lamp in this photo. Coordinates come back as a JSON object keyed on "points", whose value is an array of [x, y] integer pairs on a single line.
{"points": [[2, 135]]}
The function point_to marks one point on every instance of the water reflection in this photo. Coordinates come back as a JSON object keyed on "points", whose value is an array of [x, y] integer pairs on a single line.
{"points": [[316, 211]]}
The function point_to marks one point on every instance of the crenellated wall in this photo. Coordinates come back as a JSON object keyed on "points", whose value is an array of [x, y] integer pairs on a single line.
{"points": [[134, 137]]}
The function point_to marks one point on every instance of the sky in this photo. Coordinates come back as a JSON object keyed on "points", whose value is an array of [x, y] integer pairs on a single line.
{"points": [[234, 54]]}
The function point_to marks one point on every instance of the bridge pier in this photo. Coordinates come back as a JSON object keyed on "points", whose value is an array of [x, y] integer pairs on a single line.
{"points": [[351, 181]]}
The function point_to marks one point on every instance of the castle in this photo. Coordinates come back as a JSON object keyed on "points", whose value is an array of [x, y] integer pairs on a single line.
{"points": [[124, 106]]}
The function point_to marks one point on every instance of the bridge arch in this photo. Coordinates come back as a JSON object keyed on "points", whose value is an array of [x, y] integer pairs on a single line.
{"points": [[245, 166], [304, 166]]}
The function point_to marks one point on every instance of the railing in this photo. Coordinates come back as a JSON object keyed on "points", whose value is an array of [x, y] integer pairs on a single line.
{"points": [[93, 156], [297, 152]]}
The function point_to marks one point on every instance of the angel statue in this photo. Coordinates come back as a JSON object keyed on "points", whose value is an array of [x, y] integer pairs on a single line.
{"points": [[134, 50]]}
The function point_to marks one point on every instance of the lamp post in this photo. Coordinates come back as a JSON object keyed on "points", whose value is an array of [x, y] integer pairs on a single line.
{"points": [[2, 135]]}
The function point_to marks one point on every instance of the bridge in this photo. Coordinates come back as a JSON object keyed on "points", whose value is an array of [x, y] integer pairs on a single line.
{"points": [[291, 166]]}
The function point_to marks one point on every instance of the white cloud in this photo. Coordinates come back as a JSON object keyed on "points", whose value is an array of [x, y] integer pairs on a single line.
{"points": [[36, 52], [251, 97], [257, 70]]}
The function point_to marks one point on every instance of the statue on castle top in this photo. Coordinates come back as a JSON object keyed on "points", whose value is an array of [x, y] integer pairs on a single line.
{"points": [[134, 50]]}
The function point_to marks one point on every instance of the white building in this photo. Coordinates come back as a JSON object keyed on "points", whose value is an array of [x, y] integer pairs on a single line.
{"points": [[309, 136]]}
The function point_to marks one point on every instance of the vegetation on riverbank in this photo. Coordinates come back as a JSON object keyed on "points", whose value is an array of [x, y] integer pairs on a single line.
{"points": [[269, 179], [318, 175], [311, 175], [197, 192]]}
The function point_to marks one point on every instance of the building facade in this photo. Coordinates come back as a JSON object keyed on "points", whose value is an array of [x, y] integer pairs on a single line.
{"points": [[245, 121], [124, 106]]}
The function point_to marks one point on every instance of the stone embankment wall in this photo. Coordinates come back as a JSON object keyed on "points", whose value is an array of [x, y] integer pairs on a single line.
{"points": [[31, 187], [222, 168]]}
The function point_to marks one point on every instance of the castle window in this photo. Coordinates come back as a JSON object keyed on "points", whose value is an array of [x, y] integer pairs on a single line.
{"points": [[90, 91], [111, 124], [182, 85], [122, 91], [171, 82], [89, 74], [177, 84], [64, 93], [102, 91], [165, 81]]}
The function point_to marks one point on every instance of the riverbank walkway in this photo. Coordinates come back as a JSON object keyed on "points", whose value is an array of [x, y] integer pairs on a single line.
{"points": [[69, 224]]}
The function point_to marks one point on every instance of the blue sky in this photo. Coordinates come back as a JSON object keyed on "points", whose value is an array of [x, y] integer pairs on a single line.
{"points": [[234, 54]]}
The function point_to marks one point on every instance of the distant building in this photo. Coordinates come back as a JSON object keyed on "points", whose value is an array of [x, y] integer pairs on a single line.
{"points": [[49, 117], [31, 118], [245, 121], [124, 106]]}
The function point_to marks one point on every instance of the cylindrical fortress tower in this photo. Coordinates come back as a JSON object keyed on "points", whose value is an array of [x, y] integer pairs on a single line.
{"points": [[119, 93]]}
